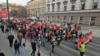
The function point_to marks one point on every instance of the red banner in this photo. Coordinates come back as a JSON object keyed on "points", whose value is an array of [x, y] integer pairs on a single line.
{"points": [[4, 14], [85, 39], [14, 21]]}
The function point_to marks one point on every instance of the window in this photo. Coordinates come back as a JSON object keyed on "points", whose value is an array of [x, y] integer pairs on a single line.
{"points": [[71, 19], [58, 19], [48, 6], [65, 5], [81, 19], [58, 6], [52, 18], [53, 6], [92, 21], [83, 5], [93, 18], [65, 8], [64, 19], [83, 0], [53, 0], [48, 17], [73, 4], [73, 7], [73, 1], [95, 4]]}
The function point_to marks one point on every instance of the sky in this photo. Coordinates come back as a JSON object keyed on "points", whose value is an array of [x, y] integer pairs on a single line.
{"points": [[18, 2]]}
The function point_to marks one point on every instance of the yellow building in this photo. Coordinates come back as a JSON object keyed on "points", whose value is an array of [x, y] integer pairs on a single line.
{"points": [[36, 8]]}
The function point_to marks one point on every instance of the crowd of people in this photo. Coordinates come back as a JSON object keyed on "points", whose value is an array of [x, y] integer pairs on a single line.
{"points": [[39, 33]]}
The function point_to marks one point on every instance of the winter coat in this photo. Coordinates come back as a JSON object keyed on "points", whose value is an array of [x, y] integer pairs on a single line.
{"points": [[33, 44], [2, 54], [10, 37]]}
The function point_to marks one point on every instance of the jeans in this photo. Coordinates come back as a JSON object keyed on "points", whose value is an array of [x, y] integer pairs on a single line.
{"points": [[11, 43], [33, 53], [17, 51]]}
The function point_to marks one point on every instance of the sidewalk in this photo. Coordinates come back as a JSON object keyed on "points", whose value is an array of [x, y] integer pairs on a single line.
{"points": [[85, 29], [4, 46], [95, 30], [29, 50]]}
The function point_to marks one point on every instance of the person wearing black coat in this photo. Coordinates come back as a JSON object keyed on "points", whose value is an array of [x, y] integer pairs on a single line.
{"points": [[10, 38], [1, 53], [16, 47], [2, 28], [33, 45]]}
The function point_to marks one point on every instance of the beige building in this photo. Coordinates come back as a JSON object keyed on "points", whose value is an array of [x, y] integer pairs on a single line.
{"points": [[30, 8], [36, 8], [42, 9], [85, 12]]}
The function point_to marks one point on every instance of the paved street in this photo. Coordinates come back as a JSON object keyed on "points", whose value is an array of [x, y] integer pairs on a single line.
{"points": [[67, 48], [4, 46], [58, 27]]}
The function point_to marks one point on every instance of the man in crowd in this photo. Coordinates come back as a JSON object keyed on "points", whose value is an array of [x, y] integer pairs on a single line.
{"points": [[33, 44], [10, 38], [1, 53], [2, 28]]}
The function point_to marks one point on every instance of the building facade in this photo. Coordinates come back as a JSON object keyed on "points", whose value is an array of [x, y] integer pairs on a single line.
{"points": [[36, 8], [0, 10], [0, 6], [42, 9], [30, 8], [15, 10], [85, 12]]}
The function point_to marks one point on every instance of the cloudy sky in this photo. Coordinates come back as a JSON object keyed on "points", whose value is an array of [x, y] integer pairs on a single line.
{"points": [[18, 2]]}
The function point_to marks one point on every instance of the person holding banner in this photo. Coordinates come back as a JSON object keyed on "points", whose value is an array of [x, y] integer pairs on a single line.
{"points": [[82, 49], [90, 36], [78, 41]]}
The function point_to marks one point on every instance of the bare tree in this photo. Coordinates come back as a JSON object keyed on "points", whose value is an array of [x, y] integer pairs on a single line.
{"points": [[20, 12]]}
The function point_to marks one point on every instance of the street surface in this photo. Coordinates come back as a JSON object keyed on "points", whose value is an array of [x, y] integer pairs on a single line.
{"points": [[67, 48]]}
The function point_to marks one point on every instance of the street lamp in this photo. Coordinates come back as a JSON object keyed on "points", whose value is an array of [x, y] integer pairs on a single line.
{"points": [[8, 9]]}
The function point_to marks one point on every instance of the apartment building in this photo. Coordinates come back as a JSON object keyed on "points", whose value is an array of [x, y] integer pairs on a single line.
{"points": [[85, 12]]}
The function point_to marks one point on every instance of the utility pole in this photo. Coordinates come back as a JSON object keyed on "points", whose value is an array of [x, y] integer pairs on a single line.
{"points": [[38, 17], [8, 9], [37, 12]]}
